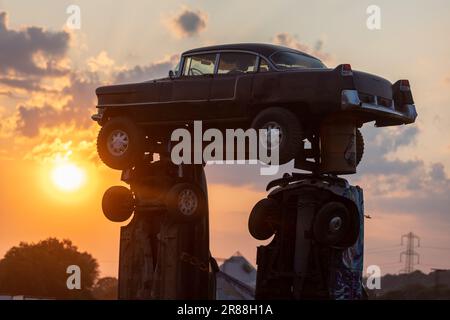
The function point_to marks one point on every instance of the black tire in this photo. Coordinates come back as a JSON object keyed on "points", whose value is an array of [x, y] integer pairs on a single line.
{"points": [[262, 218], [359, 146], [185, 202], [332, 224], [290, 128], [118, 204], [117, 158]]}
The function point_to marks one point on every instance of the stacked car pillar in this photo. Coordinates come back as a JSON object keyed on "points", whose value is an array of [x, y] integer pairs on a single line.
{"points": [[164, 250], [317, 247]]}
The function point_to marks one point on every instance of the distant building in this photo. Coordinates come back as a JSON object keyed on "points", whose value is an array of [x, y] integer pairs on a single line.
{"points": [[236, 279]]}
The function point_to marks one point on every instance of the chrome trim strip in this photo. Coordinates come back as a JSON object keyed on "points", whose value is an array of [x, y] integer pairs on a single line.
{"points": [[145, 103], [191, 121], [350, 101], [173, 101]]}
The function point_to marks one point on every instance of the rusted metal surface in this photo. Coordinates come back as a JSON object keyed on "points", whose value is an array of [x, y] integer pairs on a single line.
{"points": [[161, 258]]}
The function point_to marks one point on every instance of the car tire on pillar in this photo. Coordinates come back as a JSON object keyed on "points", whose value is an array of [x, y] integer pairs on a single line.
{"points": [[120, 143], [118, 204], [186, 202], [261, 222], [289, 127], [332, 224]]}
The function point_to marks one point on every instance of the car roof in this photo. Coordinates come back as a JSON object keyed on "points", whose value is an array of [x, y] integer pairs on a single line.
{"points": [[264, 49]]}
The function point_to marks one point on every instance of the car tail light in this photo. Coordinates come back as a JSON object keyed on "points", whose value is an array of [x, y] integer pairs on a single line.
{"points": [[346, 70], [404, 85]]}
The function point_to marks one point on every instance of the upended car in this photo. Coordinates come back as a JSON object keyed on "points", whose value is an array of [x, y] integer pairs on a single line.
{"points": [[242, 86], [316, 227]]}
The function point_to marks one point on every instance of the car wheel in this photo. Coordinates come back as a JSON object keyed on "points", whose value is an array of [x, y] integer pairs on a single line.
{"points": [[118, 204], [185, 202], [262, 219], [359, 146], [332, 224], [120, 143], [289, 128]]}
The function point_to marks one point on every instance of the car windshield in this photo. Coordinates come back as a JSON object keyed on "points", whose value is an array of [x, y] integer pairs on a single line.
{"points": [[290, 60]]}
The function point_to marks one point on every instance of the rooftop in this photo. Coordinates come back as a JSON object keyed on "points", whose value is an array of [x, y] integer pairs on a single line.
{"points": [[264, 49]]}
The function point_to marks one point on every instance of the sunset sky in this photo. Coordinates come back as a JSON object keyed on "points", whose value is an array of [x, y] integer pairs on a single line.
{"points": [[49, 72]]}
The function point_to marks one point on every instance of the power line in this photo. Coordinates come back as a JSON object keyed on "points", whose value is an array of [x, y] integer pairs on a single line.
{"points": [[381, 251], [388, 263], [437, 248], [382, 248]]}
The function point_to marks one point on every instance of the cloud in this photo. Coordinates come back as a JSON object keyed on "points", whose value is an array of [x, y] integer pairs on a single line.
{"points": [[76, 111], [437, 172], [187, 23], [394, 185], [32, 51], [100, 62], [30, 84], [144, 73], [57, 149], [288, 40], [380, 142], [81, 99]]}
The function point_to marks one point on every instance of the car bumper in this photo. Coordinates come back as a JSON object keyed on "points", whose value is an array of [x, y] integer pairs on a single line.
{"points": [[384, 116], [98, 117]]}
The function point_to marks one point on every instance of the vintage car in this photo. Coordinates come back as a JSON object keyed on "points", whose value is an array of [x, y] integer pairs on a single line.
{"points": [[259, 86], [317, 245]]}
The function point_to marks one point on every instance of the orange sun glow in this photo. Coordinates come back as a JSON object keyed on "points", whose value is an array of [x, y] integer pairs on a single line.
{"points": [[68, 177]]}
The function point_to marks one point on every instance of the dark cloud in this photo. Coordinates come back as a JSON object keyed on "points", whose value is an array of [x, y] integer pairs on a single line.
{"points": [[380, 142], [76, 112], [437, 172], [82, 101], [29, 84], [188, 22], [396, 185], [17, 56], [20, 49]]}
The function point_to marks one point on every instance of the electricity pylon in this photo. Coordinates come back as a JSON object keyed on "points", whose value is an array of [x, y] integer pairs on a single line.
{"points": [[410, 253]]}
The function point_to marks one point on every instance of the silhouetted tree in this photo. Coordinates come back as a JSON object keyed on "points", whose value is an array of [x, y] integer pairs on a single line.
{"points": [[40, 270], [106, 289]]}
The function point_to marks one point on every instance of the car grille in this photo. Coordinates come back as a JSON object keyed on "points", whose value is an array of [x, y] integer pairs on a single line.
{"points": [[366, 98], [369, 98], [385, 102]]}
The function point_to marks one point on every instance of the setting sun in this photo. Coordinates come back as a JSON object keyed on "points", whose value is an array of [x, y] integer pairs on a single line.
{"points": [[68, 177]]}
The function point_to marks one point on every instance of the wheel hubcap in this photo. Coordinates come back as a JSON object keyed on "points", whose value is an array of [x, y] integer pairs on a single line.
{"points": [[335, 224], [273, 133], [118, 142], [187, 202]]}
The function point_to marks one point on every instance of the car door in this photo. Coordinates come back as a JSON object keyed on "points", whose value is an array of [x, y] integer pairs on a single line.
{"points": [[190, 91], [232, 85]]}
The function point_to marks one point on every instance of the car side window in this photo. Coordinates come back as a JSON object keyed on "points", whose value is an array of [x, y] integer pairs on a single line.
{"points": [[236, 63], [263, 65], [199, 65]]}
